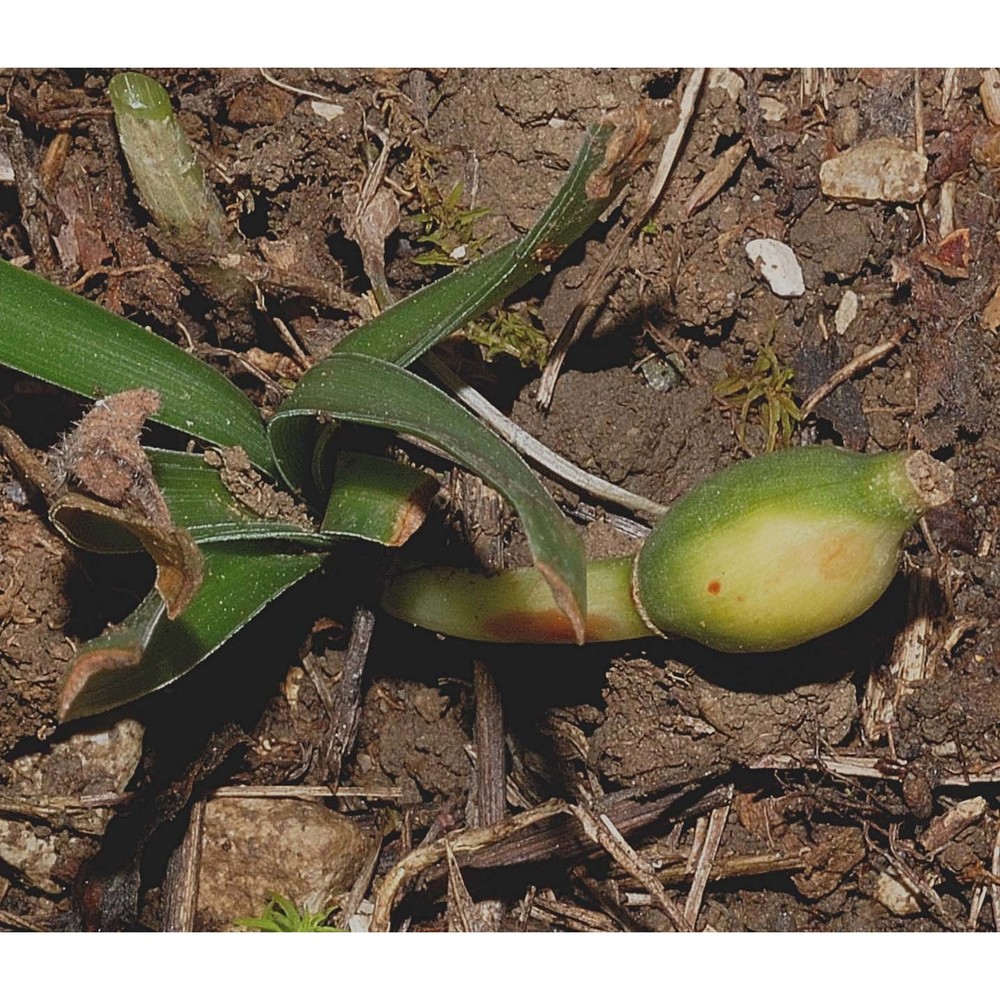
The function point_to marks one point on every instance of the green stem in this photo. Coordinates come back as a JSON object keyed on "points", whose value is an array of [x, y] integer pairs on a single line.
{"points": [[514, 606], [762, 556]]}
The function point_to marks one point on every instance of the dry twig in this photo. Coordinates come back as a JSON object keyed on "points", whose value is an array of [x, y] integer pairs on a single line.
{"points": [[911, 662], [466, 840], [180, 886], [860, 363], [705, 859], [570, 331], [604, 833]]}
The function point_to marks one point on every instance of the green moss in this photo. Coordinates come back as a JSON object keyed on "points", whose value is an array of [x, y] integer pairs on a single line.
{"points": [[762, 391], [282, 915]]}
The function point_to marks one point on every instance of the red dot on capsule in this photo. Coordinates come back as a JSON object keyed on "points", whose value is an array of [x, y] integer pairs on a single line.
{"points": [[714, 587]]}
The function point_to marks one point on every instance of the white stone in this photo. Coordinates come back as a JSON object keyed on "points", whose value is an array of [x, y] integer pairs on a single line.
{"points": [[778, 266], [846, 312], [895, 897], [326, 110]]}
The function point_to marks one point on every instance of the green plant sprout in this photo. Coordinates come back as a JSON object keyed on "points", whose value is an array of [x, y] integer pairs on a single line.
{"points": [[282, 915], [266, 504], [247, 554], [172, 184], [766, 386]]}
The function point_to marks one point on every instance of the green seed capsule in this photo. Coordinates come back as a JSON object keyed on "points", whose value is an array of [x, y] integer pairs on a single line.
{"points": [[780, 549]]}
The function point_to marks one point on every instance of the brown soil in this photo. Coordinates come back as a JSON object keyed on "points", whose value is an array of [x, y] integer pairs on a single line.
{"points": [[849, 785]]}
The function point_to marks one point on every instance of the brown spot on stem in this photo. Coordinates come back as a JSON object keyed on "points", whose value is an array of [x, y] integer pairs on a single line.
{"points": [[548, 253], [714, 587], [546, 626]]}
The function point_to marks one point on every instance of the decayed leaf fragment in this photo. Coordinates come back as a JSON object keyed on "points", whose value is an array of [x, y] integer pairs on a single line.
{"points": [[626, 151], [878, 170], [110, 501], [951, 256]]}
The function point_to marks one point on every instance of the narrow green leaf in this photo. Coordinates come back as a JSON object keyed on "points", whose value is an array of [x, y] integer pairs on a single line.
{"points": [[373, 499], [611, 151], [59, 337], [372, 391], [149, 650]]}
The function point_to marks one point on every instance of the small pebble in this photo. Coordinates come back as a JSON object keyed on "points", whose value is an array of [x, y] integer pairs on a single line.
{"points": [[847, 311], [778, 266], [326, 110], [878, 170]]}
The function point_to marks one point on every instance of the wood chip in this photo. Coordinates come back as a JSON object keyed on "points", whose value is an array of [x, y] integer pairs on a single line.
{"points": [[947, 827], [717, 178], [847, 312], [989, 92]]}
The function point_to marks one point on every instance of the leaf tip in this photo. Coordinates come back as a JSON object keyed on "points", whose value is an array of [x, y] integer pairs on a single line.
{"points": [[566, 600], [86, 670]]}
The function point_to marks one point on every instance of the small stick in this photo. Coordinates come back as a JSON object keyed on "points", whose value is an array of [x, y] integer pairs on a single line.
{"points": [[296, 348], [183, 870], [572, 918], [461, 906], [860, 363], [918, 112], [361, 883], [604, 833], [491, 800], [870, 766], [569, 333], [292, 90], [706, 858], [389, 793], [344, 724], [471, 840], [995, 885]]}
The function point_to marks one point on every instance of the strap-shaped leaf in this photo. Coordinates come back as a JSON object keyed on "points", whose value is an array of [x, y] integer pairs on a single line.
{"points": [[59, 337], [369, 390], [377, 499], [149, 650], [373, 499], [612, 150]]}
